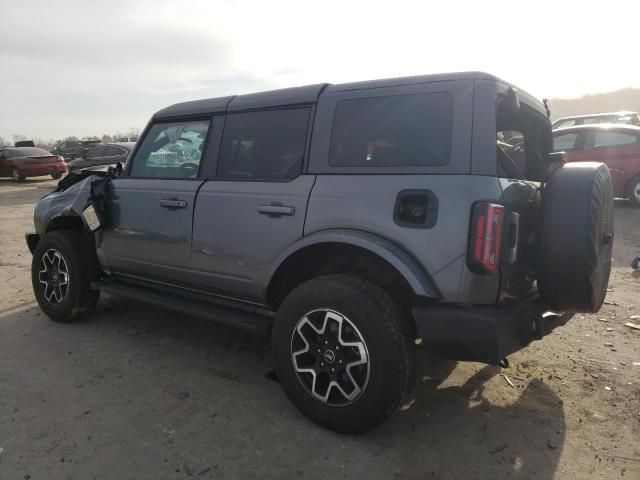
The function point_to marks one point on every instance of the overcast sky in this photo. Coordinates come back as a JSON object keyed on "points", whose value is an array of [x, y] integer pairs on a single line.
{"points": [[89, 67]]}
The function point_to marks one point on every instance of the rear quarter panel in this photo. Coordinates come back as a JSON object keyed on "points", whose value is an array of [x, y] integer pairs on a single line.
{"points": [[367, 202]]}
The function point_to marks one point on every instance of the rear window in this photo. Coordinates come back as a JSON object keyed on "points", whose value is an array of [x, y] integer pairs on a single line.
{"points": [[266, 144], [612, 139], [395, 131]]}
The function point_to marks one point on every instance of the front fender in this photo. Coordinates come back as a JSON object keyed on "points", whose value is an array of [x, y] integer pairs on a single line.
{"points": [[66, 203], [414, 273]]}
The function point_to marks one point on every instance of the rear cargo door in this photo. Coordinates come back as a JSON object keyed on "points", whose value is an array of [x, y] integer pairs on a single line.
{"points": [[523, 140]]}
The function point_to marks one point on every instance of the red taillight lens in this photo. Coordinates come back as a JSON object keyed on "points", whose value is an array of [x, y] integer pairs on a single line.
{"points": [[487, 220]]}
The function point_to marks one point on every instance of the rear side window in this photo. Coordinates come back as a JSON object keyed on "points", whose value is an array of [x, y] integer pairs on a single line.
{"points": [[394, 131], [171, 150], [112, 151], [612, 139], [565, 142], [264, 145], [98, 151]]}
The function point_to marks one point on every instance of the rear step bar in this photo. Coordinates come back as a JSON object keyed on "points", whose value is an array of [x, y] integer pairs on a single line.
{"points": [[255, 322]]}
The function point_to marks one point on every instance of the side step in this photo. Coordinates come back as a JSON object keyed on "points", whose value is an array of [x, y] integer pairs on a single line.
{"points": [[245, 320]]}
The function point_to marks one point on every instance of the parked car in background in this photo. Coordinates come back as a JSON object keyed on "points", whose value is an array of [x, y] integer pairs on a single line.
{"points": [[624, 117], [22, 162], [618, 146], [70, 149], [107, 154]]}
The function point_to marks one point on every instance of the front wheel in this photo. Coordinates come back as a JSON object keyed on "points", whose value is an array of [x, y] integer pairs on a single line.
{"points": [[343, 352], [62, 269], [633, 191], [16, 175]]}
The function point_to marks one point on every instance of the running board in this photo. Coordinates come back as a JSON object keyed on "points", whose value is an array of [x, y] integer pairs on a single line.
{"points": [[250, 321]]}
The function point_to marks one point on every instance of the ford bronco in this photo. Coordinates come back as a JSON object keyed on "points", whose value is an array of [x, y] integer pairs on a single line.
{"points": [[349, 222]]}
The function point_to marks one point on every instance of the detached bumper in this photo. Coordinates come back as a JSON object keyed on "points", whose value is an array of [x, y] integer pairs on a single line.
{"points": [[483, 333]]}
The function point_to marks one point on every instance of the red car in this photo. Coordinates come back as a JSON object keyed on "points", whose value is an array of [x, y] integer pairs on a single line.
{"points": [[618, 146], [22, 162]]}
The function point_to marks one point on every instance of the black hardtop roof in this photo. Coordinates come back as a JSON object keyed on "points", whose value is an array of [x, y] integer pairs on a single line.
{"points": [[303, 95]]}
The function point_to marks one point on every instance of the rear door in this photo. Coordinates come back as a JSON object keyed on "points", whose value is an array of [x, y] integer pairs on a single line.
{"points": [[255, 207], [149, 230]]}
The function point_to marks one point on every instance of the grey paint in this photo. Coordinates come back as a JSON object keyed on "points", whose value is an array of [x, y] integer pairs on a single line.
{"points": [[145, 238], [222, 243], [403, 261], [71, 202], [366, 203], [234, 245]]}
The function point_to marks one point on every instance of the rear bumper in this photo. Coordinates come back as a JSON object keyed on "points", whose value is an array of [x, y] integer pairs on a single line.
{"points": [[483, 333]]}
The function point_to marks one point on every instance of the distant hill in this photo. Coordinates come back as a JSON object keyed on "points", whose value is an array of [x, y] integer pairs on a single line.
{"points": [[625, 99]]}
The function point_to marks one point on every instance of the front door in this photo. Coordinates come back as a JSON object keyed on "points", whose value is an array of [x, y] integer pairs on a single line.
{"points": [[151, 206]]}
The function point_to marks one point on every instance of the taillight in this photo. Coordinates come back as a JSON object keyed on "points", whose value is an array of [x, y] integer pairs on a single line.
{"points": [[487, 220]]}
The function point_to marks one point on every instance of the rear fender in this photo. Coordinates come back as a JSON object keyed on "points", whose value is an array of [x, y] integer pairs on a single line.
{"points": [[416, 276]]}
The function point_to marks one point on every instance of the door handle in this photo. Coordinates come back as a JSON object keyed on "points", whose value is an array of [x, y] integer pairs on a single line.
{"points": [[172, 203], [276, 210]]}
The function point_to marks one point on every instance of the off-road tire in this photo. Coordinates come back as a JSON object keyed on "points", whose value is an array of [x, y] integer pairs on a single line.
{"points": [[82, 265], [576, 238], [389, 340], [632, 188]]}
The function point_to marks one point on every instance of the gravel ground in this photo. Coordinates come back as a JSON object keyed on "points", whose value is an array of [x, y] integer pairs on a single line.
{"points": [[136, 392]]}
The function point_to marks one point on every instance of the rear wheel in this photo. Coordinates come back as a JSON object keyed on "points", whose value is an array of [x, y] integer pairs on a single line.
{"points": [[633, 191], [62, 268], [343, 352], [16, 175], [56, 176]]}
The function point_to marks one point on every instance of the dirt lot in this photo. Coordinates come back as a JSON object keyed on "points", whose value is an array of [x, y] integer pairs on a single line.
{"points": [[136, 392]]}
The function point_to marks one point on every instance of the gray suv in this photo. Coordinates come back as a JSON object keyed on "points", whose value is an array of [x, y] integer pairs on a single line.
{"points": [[350, 223]]}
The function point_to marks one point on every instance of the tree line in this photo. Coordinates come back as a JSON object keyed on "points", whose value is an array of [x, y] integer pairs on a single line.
{"points": [[50, 143]]}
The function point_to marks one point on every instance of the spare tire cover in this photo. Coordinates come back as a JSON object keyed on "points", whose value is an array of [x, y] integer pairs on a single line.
{"points": [[576, 238]]}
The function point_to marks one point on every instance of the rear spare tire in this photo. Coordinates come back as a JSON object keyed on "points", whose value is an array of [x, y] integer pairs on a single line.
{"points": [[577, 237]]}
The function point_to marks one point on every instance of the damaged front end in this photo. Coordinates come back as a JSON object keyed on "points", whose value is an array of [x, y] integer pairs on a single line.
{"points": [[78, 202]]}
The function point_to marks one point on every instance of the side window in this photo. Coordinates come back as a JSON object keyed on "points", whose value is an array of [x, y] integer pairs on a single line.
{"points": [[112, 151], [96, 152], [612, 139], [171, 150], [395, 131], [264, 145], [565, 142]]}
